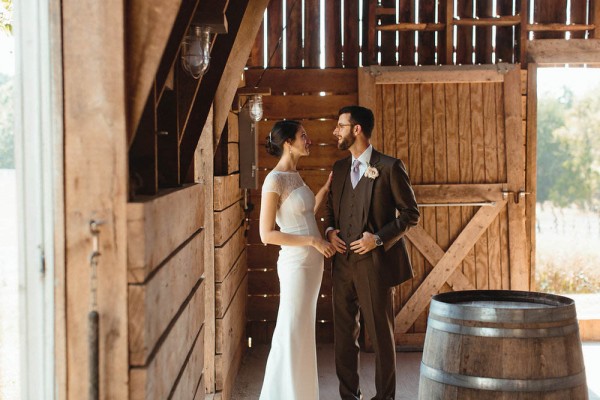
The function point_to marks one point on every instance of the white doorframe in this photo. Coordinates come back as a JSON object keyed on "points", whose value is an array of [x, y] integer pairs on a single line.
{"points": [[38, 157]]}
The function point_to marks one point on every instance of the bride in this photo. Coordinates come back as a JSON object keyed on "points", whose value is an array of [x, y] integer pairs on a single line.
{"points": [[291, 371]]}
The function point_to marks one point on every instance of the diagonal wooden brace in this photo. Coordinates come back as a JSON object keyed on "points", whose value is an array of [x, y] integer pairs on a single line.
{"points": [[446, 266]]}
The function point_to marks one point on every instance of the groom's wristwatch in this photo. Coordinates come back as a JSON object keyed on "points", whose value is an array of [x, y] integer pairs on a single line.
{"points": [[378, 241]]}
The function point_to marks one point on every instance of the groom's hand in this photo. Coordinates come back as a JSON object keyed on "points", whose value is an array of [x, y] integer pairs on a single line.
{"points": [[334, 239], [364, 244]]}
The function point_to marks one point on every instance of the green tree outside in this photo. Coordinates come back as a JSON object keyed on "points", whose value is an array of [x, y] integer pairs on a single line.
{"points": [[569, 150]]}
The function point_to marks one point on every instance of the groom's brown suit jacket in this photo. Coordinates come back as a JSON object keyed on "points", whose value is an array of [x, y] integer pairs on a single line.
{"points": [[388, 192]]}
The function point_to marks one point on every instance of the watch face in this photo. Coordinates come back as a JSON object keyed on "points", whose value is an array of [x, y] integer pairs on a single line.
{"points": [[378, 242]]}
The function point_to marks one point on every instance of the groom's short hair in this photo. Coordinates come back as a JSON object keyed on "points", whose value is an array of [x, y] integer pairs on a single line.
{"points": [[360, 116]]}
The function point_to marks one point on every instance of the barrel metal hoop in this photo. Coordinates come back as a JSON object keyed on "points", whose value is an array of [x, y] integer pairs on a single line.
{"points": [[503, 385], [487, 314], [502, 332]]}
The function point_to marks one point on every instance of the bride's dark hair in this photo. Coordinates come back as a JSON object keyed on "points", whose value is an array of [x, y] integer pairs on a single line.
{"points": [[281, 132]]}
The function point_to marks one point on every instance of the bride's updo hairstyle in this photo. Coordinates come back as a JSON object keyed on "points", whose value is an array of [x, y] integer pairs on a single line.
{"points": [[282, 132]]}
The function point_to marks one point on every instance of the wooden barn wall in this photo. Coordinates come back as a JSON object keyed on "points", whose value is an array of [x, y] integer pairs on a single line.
{"points": [[295, 95], [454, 134], [231, 272], [415, 32], [166, 293], [390, 32]]}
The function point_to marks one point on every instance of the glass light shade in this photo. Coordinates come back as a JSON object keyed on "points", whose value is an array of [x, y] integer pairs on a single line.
{"points": [[195, 53], [255, 107]]}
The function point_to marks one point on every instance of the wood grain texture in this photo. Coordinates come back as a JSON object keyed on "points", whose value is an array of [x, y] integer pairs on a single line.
{"points": [[298, 107], [227, 191], [227, 222], [224, 291], [446, 266], [157, 378], [519, 262], [94, 118], [305, 80], [228, 253], [158, 225], [204, 171], [153, 305], [149, 25], [558, 51], [189, 384], [230, 335]]}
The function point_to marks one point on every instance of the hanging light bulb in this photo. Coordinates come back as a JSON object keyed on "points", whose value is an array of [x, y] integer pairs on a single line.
{"points": [[255, 107], [195, 53]]}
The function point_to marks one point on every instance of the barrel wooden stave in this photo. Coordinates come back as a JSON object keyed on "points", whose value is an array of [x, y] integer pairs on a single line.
{"points": [[513, 358]]}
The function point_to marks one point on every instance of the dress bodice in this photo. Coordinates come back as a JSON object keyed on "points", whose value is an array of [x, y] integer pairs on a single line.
{"points": [[295, 209]]}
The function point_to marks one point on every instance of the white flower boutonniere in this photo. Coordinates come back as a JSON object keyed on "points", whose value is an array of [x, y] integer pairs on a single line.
{"points": [[371, 172]]}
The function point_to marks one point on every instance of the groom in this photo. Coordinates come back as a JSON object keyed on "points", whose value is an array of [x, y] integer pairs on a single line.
{"points": [[366, 191]]}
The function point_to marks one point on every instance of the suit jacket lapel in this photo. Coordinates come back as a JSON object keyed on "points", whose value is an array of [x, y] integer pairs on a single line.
{"points": [[343, 169], [370, 182]]}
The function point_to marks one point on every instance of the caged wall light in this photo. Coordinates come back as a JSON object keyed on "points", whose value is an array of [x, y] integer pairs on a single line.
{"points": [[195, 51]]}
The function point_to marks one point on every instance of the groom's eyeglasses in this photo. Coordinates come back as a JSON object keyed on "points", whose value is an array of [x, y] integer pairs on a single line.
{"points": [[340, 126]]}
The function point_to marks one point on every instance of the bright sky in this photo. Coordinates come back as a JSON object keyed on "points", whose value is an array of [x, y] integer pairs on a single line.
{"points": [[579, 80], [7, 54]]}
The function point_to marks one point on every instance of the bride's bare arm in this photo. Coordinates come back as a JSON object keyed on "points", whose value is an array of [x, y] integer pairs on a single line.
{"points": [[322, 193], [269, 235]]}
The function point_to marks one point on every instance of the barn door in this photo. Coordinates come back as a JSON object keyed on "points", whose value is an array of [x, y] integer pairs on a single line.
{"points": [[459, 132]]}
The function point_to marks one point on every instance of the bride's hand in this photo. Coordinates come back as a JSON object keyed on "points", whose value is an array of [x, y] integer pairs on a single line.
{"points": [[329, 179], [324, 247]]}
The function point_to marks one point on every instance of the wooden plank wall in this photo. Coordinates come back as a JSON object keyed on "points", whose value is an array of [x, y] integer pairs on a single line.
{"points": [[403, 32], [294, 95], [165, 248], [449, 133], [230, 259]]}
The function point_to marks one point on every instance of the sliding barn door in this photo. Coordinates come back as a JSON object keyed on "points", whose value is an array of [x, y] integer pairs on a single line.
{"points": [[459, 132]]}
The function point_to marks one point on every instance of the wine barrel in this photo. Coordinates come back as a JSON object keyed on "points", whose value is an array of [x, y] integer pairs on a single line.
{"points": [[502, 344]]}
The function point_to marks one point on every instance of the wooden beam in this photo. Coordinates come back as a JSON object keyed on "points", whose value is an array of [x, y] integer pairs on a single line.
{"points": [[411, 27], [220, 53], [559, 51], [149, 25], [203, 173], [434, 253], [595, 17], [440, 74], [236, 60], [560, 27], [304, 80], [446, 266], [458, 193], [524, 36], [95, 187], [515, 160], [509, 20], [531, 166]]}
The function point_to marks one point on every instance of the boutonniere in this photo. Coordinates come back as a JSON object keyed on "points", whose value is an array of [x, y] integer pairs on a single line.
{"points": [[371, 172]]}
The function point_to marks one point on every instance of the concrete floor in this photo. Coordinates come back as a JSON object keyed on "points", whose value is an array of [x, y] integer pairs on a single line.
{"points": [[249, 379]]}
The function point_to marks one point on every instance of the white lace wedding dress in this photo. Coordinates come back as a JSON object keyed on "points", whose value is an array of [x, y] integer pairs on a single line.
{"points": [[291, 372]]}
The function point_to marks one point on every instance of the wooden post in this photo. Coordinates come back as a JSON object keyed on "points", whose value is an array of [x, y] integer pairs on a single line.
{"points": [[204, 173], [519, 265], [95, 187], [531, 163]]}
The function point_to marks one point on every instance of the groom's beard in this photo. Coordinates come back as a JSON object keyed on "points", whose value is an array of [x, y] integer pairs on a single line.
{"points": [[346, 142]]}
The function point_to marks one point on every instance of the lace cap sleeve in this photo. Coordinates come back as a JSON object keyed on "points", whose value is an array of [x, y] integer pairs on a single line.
{"points": [[272, 184]]}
